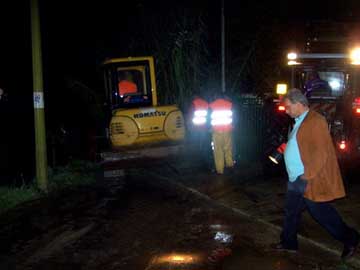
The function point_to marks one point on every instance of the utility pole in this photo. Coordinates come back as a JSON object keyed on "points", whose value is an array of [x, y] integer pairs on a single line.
{"points": [[223, 85], [39, 114]]}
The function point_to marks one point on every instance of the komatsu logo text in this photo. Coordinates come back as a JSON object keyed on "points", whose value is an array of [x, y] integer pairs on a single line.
{"points": [[149, 114]]}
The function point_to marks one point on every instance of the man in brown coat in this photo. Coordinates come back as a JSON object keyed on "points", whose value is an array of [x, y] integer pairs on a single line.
{"points": [[314, 177]]}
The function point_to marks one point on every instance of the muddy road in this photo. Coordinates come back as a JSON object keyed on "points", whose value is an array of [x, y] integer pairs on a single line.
{"points": [[163, 217]]}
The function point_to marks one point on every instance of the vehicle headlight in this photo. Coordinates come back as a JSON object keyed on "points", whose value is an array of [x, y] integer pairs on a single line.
{"points": [[355, 56]]}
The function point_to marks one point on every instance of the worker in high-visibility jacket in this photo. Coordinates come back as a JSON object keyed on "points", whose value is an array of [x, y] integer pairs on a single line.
{"points": [[199, 126], [221, 123]]}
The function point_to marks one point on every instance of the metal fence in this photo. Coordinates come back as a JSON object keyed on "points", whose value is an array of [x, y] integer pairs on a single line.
{"points": [[249, 129]]}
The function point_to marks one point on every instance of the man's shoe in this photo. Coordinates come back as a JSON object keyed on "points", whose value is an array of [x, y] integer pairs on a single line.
{"points": [[349, 251], [281, 247]]}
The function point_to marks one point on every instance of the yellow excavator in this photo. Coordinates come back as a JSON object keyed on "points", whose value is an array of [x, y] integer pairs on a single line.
{"points": [[138, 126]]}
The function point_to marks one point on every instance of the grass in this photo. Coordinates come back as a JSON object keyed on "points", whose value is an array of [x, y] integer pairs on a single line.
{"points": [[13, 196], [77, 173]]}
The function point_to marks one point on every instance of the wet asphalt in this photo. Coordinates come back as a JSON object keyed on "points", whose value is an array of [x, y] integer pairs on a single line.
{"points": [[172, 214], [259, 197]]}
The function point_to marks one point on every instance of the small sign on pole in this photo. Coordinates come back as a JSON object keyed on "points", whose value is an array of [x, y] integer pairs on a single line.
{"points": [[38, 100]]}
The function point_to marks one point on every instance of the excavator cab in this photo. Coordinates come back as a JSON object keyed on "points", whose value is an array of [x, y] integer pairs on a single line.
{"points": [[137, 124], [129, 82]]}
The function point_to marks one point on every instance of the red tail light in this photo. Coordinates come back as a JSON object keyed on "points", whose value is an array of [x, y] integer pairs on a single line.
{"points": [[281, 108], [356, 106]]}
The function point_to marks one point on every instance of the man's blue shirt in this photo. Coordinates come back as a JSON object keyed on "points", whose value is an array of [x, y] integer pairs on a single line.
{"points": [[293, 162]]}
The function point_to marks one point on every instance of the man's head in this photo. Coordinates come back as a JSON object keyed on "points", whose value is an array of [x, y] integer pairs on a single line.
{"points": [[295, 103]]}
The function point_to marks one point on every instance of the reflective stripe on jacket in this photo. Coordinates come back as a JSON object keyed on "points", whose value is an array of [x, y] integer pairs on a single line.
{"points": [[221, 116], [200, 111]]}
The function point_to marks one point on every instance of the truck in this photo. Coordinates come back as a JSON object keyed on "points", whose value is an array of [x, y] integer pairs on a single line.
{"points": [[339, 104], [137, 126]]}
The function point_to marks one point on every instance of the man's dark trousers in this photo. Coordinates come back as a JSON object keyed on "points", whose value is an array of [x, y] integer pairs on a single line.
{"points": [[324, 213]]}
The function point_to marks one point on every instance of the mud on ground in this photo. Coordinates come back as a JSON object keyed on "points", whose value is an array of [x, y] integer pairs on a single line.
{"points": [[148, 220]]}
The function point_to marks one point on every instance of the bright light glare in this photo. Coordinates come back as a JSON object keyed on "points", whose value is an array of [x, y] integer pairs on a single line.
{"points": [[273, 160], [357, 110], [223, 237], [342, 145], [224, 113], [281, 108], [176, 259], [223, 117], [355, 56], [335, 84], [292, 56], [199, 117], [281, 88], [199, 120], [293, 63], [200, 113]]}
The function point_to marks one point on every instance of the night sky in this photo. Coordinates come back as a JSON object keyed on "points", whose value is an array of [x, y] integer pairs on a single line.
{"points": [[78, 35]]}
